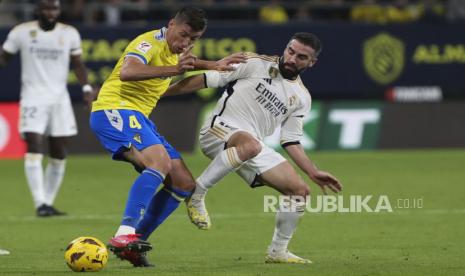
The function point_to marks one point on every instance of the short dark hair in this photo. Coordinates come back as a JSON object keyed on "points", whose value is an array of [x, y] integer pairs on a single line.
{"points": [[194, 17], [309, 39], [40, 2]]}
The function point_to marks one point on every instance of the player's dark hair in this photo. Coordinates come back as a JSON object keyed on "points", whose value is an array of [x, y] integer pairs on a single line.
{"points": [[39, 2], [194, 17], [309, 39]]}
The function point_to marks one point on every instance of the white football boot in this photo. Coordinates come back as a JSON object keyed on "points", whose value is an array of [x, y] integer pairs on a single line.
{"points": [[284, 257], [197, 211]]}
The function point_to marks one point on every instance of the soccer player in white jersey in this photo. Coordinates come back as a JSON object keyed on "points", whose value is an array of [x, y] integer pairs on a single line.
{"points": [[261, 94], [46, 48]]}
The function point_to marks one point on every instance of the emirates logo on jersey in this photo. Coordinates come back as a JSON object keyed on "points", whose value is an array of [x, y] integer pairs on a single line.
{"points": [[270, 101]]}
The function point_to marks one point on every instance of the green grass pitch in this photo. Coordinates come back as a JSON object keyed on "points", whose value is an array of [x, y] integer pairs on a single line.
{"points": [[422, 241]]}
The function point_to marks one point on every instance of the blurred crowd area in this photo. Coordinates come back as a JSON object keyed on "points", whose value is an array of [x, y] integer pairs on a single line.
{"points": [[115, 12]]}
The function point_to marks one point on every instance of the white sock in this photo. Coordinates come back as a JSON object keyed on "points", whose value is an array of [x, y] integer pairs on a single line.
{"points": [[225, 162], [286, 222], [199, 190], [125, 230], [35, 176], [53, 179]]}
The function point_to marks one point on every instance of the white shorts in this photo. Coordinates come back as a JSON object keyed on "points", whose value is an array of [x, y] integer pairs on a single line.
{"points": [[56, 120], [213, 141]]}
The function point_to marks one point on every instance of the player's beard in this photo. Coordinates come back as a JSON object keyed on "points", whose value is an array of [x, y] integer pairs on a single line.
{"points": [[286, 73], [46, 24]]}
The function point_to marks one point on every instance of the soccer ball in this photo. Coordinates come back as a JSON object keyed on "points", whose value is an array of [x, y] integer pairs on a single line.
{"points": [[86, 254]]}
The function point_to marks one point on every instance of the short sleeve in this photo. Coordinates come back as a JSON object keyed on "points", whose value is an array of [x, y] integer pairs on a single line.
{"points": [[218, 79], [12, 44], [292, 127], [75, 42], [141, 49]]}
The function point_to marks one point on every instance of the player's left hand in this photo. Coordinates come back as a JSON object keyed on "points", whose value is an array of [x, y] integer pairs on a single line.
{"points": [[324, 179], [225, 64]]}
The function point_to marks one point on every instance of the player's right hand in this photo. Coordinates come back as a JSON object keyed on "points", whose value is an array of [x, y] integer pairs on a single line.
{"points": [[186, 60], [326, 180]]}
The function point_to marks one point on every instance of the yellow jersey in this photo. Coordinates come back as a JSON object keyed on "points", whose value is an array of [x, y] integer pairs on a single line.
{"points": [[152, 49]]}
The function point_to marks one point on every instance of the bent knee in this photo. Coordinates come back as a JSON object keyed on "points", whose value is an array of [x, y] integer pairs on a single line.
{"points": [[301, 190], [250, 150]]}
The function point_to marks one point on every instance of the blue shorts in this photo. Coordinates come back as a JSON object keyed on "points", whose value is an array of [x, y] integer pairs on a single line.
{"points": [[120, 129]]}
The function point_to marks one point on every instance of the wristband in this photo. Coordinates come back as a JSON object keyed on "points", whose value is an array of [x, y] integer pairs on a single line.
{"points": [[87, 88]]}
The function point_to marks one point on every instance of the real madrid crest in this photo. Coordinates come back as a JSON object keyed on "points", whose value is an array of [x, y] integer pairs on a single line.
{"points": [[33, 35], [292, 100], [273, 72]]}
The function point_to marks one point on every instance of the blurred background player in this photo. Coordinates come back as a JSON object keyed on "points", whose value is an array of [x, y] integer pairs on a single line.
{"points": [[46, 48], [120, 121], [261, 94]]}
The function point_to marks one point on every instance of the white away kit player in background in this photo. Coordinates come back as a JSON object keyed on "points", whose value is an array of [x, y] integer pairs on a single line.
{"points": [[46, 48], [261, 94]]}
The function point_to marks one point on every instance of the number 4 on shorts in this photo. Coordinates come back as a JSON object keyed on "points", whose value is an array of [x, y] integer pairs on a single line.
{"points": [[133, 123]]}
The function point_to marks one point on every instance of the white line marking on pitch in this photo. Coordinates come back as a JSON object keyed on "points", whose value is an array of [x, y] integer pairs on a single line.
{"points": [[112, 217]]}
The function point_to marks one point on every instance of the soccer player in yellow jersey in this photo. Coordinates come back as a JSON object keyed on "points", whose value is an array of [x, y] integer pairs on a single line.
{"points": [[120, 121]]}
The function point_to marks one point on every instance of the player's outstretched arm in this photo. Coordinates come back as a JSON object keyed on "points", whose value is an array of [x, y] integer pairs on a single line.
{"points": [[321, 178], [134, 70], [187, 85], [224, 64], [4, 57], [214, 78]]}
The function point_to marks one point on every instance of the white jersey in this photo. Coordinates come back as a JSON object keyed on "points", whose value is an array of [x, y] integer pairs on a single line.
{"points": [[45, 57], [258, 99]]}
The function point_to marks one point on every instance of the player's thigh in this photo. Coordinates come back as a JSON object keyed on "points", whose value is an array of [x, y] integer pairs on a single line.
{"points": [[133, 156], [156, 151], [156, 157], [62, 120], [57, 147], [180, 177], [34, 119], [34, 142], [285, 179]]}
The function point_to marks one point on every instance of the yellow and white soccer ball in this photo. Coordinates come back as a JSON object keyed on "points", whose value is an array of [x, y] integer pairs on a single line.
{"points": [[86, 254]]}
